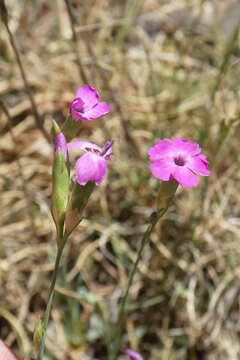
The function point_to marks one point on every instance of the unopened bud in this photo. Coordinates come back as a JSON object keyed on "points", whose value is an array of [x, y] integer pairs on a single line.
{"points": [[61, 146], [133, 355], [61, 179]]}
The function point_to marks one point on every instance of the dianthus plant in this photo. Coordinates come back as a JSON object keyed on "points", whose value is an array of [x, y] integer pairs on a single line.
{"points": [[175, 162], [68, 206]]}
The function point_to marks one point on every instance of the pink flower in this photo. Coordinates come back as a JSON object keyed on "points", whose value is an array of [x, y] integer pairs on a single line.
{"points": [[6, 353], [85, 105], [92, 165], [133, 355], [178, 159]]}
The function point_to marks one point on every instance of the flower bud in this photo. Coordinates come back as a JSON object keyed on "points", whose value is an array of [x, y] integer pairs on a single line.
{"points": [[133, 355], [61, 146], [61, 179], [77, 203]]}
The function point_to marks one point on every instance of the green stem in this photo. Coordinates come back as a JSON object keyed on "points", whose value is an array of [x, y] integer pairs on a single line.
{"points": [[50, 299], [146, 237]]}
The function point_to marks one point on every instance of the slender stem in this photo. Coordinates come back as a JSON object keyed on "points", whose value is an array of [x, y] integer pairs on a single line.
{"points": [[133, 272], [122, 309], [50, 299]]}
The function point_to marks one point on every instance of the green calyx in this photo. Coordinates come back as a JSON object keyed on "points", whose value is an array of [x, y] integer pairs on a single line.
{"points": [[54, 131], [71, 128], [61, 181], [166, 193], [77, 203]]}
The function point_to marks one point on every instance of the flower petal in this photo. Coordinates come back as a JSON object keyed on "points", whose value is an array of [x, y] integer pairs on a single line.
{"points": [[89, 95], [90, 167], [6, 353], [189, 148], [185, 177], [133, 355], [203, 158], [162, 169], [161, 149], [98, 110], [198, 165], [85, 146]]}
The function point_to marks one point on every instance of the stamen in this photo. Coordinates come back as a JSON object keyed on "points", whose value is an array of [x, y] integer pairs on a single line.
{"points": [[106, 147]]}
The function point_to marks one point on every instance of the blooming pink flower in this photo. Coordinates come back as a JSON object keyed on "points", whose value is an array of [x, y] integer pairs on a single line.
{"points": [[6, 353], [85, 106], [93, 164], [133, 355], [178, 159]]}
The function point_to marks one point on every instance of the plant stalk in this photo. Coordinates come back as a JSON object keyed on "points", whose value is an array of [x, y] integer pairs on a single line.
{"points": [[50, 299], [146, 238]]}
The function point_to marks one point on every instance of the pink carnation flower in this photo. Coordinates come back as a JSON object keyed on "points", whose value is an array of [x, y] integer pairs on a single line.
{"points": [[133, 355], [85, 106], [92, 165], [178, 159]]}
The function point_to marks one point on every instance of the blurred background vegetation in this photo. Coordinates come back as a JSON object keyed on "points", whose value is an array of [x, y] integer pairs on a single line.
{"points": [[167, 69]]}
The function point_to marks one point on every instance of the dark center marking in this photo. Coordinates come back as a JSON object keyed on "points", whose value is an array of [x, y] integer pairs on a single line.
{"points": [[179, 160]]}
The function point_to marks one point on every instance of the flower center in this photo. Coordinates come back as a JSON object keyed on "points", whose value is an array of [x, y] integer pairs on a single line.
{"points": [[179, 160], [79, 110], [79, 105], [96, 151]]}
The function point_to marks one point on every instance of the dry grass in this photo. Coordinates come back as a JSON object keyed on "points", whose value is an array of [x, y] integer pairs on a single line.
{"points": [[168, 69]]}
